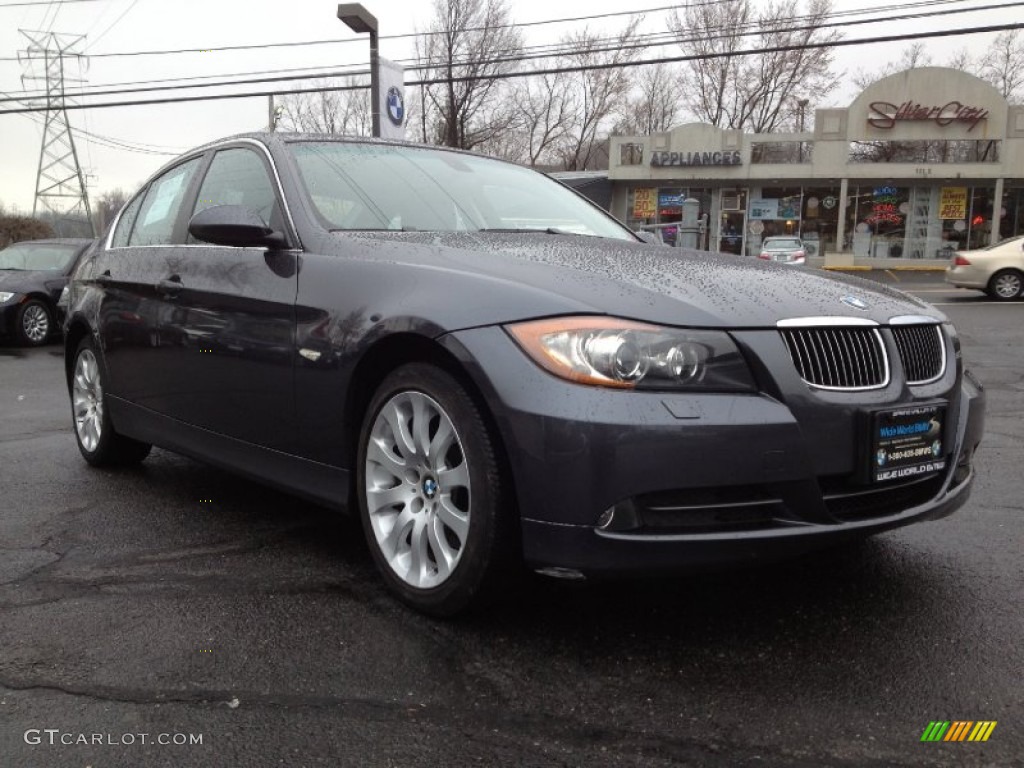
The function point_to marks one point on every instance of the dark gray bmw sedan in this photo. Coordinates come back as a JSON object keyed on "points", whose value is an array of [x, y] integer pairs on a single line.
{"points": [[494, 373]]}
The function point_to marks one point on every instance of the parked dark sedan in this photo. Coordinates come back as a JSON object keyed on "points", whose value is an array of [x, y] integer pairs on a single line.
{"points": [[493, 372], [32, 275]]}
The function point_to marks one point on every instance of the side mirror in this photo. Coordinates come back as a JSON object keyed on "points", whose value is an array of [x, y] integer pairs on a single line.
{"points": [[234, 225]]}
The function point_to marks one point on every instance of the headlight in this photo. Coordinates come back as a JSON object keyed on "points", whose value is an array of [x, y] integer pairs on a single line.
{"points": [[5, 296], [609, 352]]}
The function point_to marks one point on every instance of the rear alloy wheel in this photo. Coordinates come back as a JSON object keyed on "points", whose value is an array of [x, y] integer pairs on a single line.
{"points": [[34, 323], [430, 492], [1006, 285], [99, 444]]}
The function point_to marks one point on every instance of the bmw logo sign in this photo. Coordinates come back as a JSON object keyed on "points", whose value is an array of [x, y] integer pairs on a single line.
{"points": [[396, 106], [853, 301]]}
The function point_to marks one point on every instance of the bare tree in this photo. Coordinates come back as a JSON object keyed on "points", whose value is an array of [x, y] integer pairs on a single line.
{"points": [[1003, 64], [914, 56], [15, 228], [106, 206], [755, 92], [546, 106], [654, 105], [961, 59], [468, 43], [344, 112], [601, 93]]}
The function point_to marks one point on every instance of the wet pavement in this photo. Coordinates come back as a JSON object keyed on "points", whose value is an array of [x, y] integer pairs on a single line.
{"points": [[175, 601]]}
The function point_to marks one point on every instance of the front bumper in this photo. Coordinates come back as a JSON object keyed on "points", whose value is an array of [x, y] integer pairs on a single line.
{"points": [[8, 318], [614, 481]]}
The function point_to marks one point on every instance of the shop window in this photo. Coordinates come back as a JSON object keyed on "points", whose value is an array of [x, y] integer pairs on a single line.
{"points": [[631, 153], [1011, 223], [781, 152], [876, 220], [641, 207], [779, 208], [931, 151], [820, 220]]}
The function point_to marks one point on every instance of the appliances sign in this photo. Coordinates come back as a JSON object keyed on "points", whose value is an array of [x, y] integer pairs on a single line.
{"points": [[728, 157]]}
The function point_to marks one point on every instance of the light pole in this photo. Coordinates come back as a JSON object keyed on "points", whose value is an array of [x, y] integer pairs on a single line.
{"points": [[801, 107], [360, 20]]}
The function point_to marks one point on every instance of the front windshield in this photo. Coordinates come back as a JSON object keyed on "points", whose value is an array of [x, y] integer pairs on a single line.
{"points": [[389, 187], [37, 256]]}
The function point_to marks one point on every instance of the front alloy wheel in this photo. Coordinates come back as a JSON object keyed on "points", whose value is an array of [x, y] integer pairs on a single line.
{"points": [[418, 489], [431, 493], [34, 323]]}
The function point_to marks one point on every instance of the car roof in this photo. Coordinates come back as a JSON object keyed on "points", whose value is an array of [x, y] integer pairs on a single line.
{"points": [[286, 137], [278, 138], [54, 241]]}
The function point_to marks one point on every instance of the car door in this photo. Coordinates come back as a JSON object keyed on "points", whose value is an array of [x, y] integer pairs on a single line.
{"points": [[128, 271], [231, 314]]}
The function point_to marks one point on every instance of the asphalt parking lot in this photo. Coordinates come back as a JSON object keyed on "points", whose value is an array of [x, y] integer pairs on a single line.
{"points": [[178, 601]]}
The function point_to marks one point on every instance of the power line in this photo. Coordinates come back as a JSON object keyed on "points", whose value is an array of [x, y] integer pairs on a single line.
{"points": [[112, 142], [300, 43], [44, 2], [296, 43], [554, 70], [642, 41], [113, 24]]}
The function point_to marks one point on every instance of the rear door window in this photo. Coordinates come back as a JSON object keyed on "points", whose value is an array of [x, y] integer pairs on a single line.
{"points": [[161, 206]]}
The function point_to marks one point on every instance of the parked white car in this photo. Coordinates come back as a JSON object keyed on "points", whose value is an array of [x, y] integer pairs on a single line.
{"points": [[998, 270]]}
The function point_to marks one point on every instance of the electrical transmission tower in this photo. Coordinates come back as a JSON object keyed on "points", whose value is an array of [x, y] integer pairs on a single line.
{"points": [[61, 194]]}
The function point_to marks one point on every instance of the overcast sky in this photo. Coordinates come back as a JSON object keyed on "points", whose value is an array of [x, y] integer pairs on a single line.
{"points": [[159, 24]]}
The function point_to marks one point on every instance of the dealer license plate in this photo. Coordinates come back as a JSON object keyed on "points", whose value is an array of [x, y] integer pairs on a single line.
{"points": [[906, 442]]}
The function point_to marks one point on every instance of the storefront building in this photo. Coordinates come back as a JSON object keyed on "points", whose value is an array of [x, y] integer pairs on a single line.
{"points": [[922, 163]]}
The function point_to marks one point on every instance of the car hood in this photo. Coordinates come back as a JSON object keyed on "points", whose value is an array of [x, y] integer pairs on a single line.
{"points": [[21, 281], [673, 286]]}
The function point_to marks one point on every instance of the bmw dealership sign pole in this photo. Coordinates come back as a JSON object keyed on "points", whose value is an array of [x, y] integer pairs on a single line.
{"points": [[391, 83]]}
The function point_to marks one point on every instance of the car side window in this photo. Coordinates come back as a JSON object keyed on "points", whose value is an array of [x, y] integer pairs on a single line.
{"points": [[124, 224], [159, 211], [238, 176]]}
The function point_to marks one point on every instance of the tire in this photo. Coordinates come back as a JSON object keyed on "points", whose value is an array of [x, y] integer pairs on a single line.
{"points": [[97, 440], [432, 498], [33, 323], [1006, 285]]}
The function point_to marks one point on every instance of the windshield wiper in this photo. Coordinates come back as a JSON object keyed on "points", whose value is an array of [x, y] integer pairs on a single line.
{"points": [[374, 229], [520, 230]]}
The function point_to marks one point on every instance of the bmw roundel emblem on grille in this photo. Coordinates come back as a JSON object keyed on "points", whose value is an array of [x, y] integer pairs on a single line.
{"points": [[853, 301], [395, 106]]}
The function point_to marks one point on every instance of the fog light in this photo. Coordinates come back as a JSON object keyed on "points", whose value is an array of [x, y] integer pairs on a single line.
{"points": [[619, 517], [963, 467]]}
